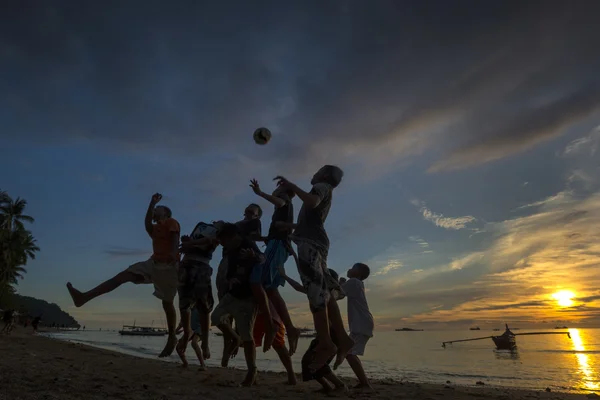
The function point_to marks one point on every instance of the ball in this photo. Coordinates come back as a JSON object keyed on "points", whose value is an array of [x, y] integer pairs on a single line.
{"points": [[262, 136]]}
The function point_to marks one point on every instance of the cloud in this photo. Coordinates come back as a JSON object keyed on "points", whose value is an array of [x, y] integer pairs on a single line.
{"points": [[392, 265], [451, 223], [118, 252], [146, 86]]}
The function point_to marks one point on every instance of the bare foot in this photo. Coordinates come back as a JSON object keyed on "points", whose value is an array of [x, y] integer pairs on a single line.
{"points": [[293, 336], [202, 368], [181, 346], [250, 377], [234, 347], [205, 352], [343, 349], [364, 388], [292, 380], [169, 347], [323, 353], [76, 295], [269, 337]]}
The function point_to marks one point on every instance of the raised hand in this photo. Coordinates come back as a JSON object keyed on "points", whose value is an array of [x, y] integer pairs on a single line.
{"points": [[255, 186], [281, 181], [156, 197], [185, 238]]}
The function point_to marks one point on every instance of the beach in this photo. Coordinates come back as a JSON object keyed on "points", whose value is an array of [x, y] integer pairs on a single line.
{"points": [[37, 367]]}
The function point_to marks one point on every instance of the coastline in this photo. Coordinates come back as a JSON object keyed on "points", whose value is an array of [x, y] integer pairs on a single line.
{"points": [[38, 367]]}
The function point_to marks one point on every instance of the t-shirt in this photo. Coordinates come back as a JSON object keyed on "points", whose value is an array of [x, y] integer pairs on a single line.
{"points": [[311, 221], [241, 269], [163, 249], [202, 254], [360, 319], [282, 214]]}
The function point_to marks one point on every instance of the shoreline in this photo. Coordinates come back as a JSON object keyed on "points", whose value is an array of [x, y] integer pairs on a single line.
{"points": [[35, 366]]}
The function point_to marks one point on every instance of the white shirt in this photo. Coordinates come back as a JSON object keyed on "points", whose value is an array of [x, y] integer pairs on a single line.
{"points": [[359, 316]]}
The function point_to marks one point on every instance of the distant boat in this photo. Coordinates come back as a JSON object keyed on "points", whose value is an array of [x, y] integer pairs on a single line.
{"points": [[408, 330], [475, 328], [561, 327], [496, 329], [133, 330]]}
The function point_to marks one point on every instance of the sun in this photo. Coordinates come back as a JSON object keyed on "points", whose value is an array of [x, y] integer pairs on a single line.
{"points": [[564, 298]]}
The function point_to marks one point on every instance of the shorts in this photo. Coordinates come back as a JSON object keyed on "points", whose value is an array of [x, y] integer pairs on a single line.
{"points": [[163, 276], [312, 268], [260, 329], [195, 286], [360, 341], [221, 279], [243, 312], [267, 273]]}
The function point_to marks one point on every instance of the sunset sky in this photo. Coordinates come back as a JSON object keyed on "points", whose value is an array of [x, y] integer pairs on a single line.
{"points": [[469, 133]]}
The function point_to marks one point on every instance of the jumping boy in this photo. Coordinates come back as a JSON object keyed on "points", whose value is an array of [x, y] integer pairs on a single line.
{"points": [[160, 269], [313, 246], [360, 320], [277, 252], [195, 287], [238, 302]]}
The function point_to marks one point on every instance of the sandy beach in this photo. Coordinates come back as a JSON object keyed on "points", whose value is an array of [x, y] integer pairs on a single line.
{"points": [[36, 367]]}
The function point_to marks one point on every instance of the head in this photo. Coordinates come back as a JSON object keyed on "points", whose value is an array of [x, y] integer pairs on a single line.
{"points": [[253, 211], [333, 274], [228, 235], [328, 174], [161, 213], [359, 271]]}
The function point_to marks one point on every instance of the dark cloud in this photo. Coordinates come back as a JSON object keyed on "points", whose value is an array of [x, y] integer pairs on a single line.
{"points": [[337, 80], [514, 306]]}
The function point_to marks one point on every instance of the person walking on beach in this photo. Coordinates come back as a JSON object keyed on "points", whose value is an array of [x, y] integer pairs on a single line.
{"points": [[266, 276], [36, 322], [360, 320], [195, 286], [238, 303], [160, 269], [313, 246], [8, 319]]}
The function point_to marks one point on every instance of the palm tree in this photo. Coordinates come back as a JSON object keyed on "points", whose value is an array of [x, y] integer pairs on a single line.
{"points": [[11, 213]]}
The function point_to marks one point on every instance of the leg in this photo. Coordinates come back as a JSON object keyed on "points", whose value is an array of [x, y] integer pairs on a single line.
{"points": [[250, 354], [279, 304], [327, 388], [80, 298], [343, 341], [286, 360], [263, 306], [339, 385], [187, 333], [204, 327], [356, 365], [171, 315], [198, 352]]}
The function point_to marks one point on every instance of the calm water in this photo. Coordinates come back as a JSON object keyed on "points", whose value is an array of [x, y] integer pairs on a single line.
{"points": [[553, 361]]}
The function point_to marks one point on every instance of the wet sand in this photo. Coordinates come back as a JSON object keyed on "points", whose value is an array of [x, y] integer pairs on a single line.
{"points": [[35, 367]]}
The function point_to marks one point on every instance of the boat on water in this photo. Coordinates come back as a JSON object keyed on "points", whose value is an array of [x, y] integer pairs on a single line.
{"points": [[561, 327], [506, 341], [476, 328], [133, 330], [408, 330]]}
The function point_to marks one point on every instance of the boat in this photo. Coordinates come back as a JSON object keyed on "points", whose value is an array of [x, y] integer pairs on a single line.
{"points": [[475, 329], [506, 341], [133, 330], [408, 330], [561, 327]]}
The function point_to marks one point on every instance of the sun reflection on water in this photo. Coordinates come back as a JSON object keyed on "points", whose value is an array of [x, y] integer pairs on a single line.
{"points": [[588, 374]]}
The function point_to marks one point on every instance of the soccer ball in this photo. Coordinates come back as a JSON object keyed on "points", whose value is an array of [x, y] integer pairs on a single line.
{"points": [[262, 136]]}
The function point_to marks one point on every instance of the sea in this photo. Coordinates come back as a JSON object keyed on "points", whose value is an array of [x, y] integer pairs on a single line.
{"points": [[546, 361]]}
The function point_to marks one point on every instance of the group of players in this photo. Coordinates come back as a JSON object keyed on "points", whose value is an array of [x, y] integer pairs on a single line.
{"points": [[248, 282]]}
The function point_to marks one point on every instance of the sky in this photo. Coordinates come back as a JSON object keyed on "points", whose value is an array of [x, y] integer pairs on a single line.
{"points": [[468, 132]]}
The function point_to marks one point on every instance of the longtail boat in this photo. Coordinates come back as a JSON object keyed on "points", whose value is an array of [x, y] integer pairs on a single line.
{"points": [[506, 341]]}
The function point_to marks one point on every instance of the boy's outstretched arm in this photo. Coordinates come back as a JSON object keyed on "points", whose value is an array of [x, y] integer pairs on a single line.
{"points": [[309, 199], [297, 286], [276, 201], [150, 213]]}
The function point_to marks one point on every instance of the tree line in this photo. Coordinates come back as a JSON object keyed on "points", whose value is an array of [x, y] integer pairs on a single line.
{"points": [[17, 243]]}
